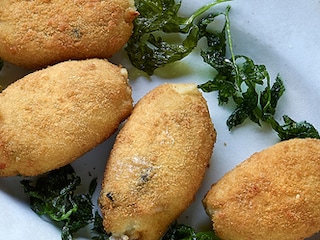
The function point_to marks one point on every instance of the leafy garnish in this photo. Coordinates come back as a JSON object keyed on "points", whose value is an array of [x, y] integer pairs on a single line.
{"points": [[292, 129], [247, 84], [147, 49], [184, 232], [54, 194], [238, 78], [98, 229]]}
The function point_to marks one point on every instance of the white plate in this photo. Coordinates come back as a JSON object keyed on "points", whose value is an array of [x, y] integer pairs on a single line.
{"points": [[283, 35]]}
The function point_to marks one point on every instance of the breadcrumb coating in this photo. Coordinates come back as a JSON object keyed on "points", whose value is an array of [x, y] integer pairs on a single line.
{"points": [[157, 163], [38, 33], [275, 194], [51, 117]]}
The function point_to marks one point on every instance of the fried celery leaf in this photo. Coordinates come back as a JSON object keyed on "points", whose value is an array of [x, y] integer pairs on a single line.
{"points": [[183, 232], [292, 129], [148, 48], [98, 229], [54, 194], [247, 84], [215, 56], [238, 78]]}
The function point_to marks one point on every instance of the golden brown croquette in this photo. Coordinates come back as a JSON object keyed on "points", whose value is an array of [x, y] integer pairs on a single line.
{"points": [[157, 163], [275, 194], [53, 116], [37, 33]]}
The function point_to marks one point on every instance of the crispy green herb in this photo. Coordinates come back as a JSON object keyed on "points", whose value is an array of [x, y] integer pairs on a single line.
{"points": [[183, 232], [237, 78], [54, 195], [247, 84], [98, 229], [147, 48], [291, 129]]}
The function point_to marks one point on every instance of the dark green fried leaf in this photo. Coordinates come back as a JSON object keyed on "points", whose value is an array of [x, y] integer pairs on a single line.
{"points": [[270, 97], [246, 83], [292, 129], [214, 55], [147, 49], [53, 194], [183, 232], [98, 230], [156, 52]]}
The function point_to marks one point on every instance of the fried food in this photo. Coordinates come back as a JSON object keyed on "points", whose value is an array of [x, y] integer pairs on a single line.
{"points": [[275, 194], [34, 34], [53, 116], [157, 163]]}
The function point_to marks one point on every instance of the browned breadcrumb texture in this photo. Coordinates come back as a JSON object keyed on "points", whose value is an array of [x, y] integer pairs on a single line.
{"points": [[37, 33], [157, 163], [51, 117], [275, 194]]}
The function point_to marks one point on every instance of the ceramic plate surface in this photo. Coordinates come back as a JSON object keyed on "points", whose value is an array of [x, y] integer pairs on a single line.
{"points": [[282, 35]]}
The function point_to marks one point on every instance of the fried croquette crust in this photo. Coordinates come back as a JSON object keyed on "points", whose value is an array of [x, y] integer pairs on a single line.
{"points": [[275, 194], [53, 116], [38, 33], [157, 163]]}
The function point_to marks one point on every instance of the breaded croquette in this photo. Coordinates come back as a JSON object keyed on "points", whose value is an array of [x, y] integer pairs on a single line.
{"points": [[38, 33], [274, 194], [53, 116], [157, 163]]}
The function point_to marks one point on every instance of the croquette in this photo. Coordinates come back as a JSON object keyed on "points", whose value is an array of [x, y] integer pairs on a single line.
{"points": [[274, 194], [51, 117], [157, 163], [38, 33]]}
